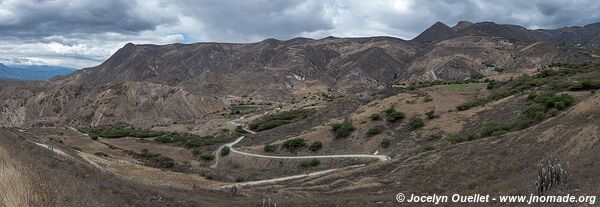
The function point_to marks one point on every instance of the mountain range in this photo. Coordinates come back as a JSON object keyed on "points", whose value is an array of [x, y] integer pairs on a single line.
{"points": [[144, 84], [32, 72]]}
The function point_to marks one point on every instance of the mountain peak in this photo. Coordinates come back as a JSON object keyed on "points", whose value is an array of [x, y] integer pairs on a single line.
{"points": [[437, 32], [461, 25]]}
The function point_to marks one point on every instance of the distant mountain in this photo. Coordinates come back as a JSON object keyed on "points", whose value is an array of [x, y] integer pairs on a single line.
{"points": [[32, 72], [145, 85]]}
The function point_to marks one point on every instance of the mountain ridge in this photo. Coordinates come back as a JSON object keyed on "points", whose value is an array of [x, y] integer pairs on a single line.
{"points": [[212, 74]]}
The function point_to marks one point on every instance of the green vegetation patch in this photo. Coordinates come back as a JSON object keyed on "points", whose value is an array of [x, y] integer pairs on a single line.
{"points": [[374, 130], [315, 146], [309, 163], [112, 133], [455, 138], [294, 144], [269, 148], [157, 160], [385, 143], [393, 115], [550, 79], [461, 87], [375, 117], [225, 151], [343, 129], [240, 109], [415, 123], [279, 119], [494, 129]]}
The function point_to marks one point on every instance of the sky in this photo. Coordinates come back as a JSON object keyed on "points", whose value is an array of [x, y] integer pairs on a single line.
{"points": [[84, 33]]}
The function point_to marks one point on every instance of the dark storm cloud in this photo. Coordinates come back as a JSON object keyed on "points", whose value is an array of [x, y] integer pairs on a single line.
{"points": [[239, 20], [80, 33], [32, 19]]}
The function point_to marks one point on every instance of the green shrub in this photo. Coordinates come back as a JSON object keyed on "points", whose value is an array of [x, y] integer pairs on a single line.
{"points": [[207, 157], [385, 143], [435, 136], [431, 115], [585, 85], [293, 144], [393, 115], [454, 138], [147, 154], [495, 129], [415, 123], [123, 132], [374, 130], [270, 148], [157, 160], [239, 131], [225, 151], [539, 106], [315, 146], [389, 110], [343, 129], [309, 162], [375, 117], [162, 162], [472, 103], [425, 148], [199, 141], [94, 136], [163, 139], [279, 119], [101, 154]]}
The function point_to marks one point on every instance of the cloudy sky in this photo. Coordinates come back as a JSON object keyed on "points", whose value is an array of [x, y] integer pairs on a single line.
{"points": [[83, 33]]}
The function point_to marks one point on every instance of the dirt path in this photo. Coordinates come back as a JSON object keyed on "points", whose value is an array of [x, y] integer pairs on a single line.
{"points": [[230, 145]]}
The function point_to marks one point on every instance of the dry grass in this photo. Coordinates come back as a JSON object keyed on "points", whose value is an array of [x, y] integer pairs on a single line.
{"points": [[15, 188]]}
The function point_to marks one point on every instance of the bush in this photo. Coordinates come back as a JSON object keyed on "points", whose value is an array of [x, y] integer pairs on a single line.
{"points": [[343, 129], [309, 163], [495, 129], [279, 119], [239, 131], [454, 138], [123, 132], [425, 148], [315, 146], [415, 123], [270, 148], [157, 160], [207, 157], [393, 115], [293, 144], [162, 162], [472, 103], [585, 85], [225, 151], [375, 117], [374, 130], [539, 105], [101, 154], [163, 139], [385, 143], [431, 115], [94, 136]]}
